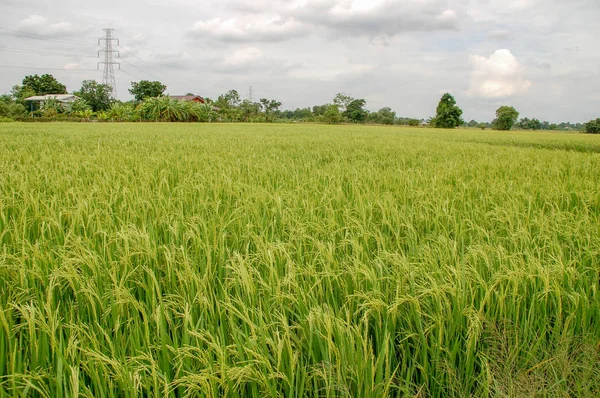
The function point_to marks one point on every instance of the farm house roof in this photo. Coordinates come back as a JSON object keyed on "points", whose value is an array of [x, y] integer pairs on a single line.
{"points": [[58, 97]]}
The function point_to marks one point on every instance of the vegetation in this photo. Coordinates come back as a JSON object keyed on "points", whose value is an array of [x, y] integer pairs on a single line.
{"points": [[38, 85], [146, 89], [593, 126], [448, 114], [228, 107], [506, 117], [297, 260], [98, 96]]}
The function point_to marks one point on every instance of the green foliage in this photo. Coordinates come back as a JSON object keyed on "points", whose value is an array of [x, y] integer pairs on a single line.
{"points": [[4, 119], [592, 127], [12, 109], [530, 124], [79, 105], [342, 101], [506, 117], [143, 260], [98, 96], [42, 85], [332, 115], [123, 112], [355, 111], [51, 108], [482, 126], [269, 107], [20, 93], [448, 114], [146, 89], [414, 122]]}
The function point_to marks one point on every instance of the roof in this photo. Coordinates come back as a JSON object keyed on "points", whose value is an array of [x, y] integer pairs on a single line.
{"points": [[58, 97], [187, 97]]}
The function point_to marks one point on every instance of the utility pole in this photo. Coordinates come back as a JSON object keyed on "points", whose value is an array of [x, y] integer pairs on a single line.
{"points": [[251, 94], [108, 77]]}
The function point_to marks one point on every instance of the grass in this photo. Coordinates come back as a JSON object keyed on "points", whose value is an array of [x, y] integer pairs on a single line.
{"points": [[289, 261]]}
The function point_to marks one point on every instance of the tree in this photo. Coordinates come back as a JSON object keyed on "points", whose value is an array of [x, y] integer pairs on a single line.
{"points": [[448, 114], [78, 106], [355, 111], [385, 116], [331, 115], [414, 122], [592, 127], [98, 96], [269, 107], [42, 85], [230, 99], [530, 124], [146, 89], [249, 110], [506, 117], [342, 101]]}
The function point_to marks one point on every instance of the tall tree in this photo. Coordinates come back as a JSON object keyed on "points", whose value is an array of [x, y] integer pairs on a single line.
{"points": [[356, 112], [448, 114], [269, 107], [42, 85], [146, 89], [97, 95], [342, 100], [506, 117], [592, 127]]}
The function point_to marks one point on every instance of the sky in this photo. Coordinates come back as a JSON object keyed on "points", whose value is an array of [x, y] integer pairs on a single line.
{"points": [[540, 56]]}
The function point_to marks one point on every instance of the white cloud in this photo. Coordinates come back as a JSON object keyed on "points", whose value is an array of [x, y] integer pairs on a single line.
{"points": [[247, 29], [497, 76], [41, 25], [72, 66], [243, 56]]}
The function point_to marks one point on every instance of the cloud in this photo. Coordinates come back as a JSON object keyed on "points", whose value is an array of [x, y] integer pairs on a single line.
{"points": [[243, 56], [41, 25], [499, 34], [247, 29], [72, 66], [374, 18], [497, 76]]}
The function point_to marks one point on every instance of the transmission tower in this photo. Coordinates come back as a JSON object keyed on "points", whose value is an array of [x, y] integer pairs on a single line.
{"points": [[251, 94], [109, 70]]}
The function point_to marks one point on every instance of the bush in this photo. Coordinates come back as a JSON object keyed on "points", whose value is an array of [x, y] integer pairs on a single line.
{"points": [[592, 127], [47, 119], [4, 119]]}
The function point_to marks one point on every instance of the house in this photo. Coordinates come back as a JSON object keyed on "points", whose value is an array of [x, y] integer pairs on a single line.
{"points": [[62, 98], [192, 98]]}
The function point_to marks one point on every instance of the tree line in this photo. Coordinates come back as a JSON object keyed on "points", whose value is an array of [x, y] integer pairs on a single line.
{"points": [[151, 104]]}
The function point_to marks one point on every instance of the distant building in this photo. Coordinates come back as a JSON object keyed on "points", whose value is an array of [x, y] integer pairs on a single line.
{"points": [[192, 98], [38, 100], [62, 98]]}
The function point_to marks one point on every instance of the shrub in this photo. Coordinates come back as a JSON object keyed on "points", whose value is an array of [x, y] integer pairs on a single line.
{"points": [[592, 127], [4, 119]]}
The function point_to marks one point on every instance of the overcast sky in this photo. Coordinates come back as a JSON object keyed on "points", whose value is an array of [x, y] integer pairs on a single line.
{"points": [[541, 56]]}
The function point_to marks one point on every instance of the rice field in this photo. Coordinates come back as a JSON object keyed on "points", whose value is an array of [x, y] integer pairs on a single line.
{"points": [[191, 260]]}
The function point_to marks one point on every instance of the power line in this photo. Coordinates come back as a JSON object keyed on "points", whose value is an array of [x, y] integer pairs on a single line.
{"points": [[141, 70], [37, 52], [38, 68], [35, 36]]}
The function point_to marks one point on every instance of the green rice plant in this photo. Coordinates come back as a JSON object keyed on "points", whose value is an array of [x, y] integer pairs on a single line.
{"points": [[195, 260]]}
